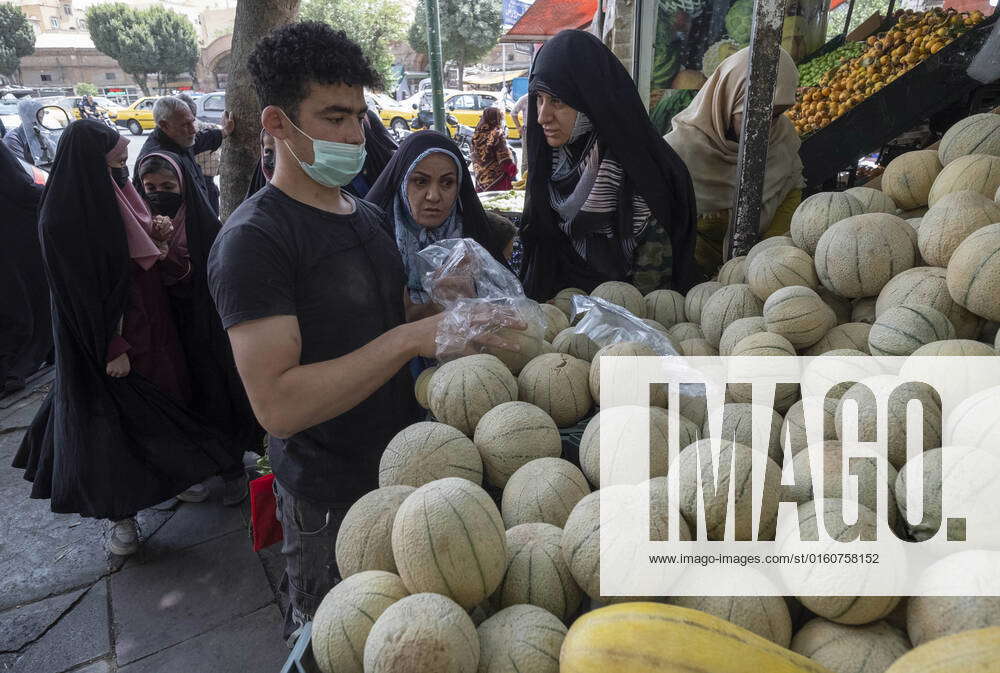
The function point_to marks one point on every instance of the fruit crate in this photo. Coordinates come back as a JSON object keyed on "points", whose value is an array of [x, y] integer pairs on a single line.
{"points": [[930, 87], [301, 658]]}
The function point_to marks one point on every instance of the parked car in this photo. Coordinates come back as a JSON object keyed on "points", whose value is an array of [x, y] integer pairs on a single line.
{"points": [[138, 117], [466, 106], [9, 118], [210, 107]]}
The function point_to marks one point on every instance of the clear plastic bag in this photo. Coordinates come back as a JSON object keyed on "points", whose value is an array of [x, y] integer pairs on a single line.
{"points": [[482, 299]]}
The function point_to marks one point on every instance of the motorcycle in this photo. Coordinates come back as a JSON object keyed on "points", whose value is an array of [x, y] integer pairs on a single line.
{"points": [[460, 133], [42, 125]]}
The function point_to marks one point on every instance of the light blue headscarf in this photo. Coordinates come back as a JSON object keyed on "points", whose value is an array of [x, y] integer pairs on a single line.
{"points": [[411, 238]]}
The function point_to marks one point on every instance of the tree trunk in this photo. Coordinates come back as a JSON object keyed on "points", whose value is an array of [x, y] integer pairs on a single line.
{"points": [[241, 151], [461, 74], [141, 81]]}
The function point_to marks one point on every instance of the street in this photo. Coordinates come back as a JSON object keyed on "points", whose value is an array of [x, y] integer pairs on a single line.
{"points": [[195, 597]]}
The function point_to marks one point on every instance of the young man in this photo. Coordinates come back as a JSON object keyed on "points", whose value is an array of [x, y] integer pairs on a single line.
{"points": [[309, 285]]}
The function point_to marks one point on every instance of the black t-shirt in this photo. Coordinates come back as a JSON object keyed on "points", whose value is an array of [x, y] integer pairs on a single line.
{"points": [[342, 276]]}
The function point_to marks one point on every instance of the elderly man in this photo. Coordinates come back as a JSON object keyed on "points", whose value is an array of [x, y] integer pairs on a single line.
{"points": [[176, 132], [209, 160]]}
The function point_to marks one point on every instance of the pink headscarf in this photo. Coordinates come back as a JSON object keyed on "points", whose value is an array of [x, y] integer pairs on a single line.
{"points": [[135, 215], [178, 241]]}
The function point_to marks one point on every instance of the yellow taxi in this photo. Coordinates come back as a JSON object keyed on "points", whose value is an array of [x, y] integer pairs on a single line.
{"points": [[466, 106], [138, 117]]}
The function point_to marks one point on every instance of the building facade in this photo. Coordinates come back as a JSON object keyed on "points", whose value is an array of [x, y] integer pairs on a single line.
{"points": [[63, 59]]}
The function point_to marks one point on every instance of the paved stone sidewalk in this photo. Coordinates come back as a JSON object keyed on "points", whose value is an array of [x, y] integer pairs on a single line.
{"points": [[195, 599]]}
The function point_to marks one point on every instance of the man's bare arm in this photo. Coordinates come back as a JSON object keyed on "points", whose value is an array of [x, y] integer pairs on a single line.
{"points": [[288, 397]]}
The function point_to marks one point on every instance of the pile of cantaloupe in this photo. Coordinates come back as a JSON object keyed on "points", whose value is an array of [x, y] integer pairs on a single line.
{"points": [[442, 576]]}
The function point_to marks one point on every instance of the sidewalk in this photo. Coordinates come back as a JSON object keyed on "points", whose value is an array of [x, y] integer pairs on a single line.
{"points": [[195, 599]]}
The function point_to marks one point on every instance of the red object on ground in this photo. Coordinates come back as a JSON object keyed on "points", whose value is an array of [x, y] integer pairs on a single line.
{"points": [[545, 18], [264, 524]]}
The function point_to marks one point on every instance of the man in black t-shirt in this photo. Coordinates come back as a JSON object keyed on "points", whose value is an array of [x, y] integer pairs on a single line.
{"points": [[309, 284]]}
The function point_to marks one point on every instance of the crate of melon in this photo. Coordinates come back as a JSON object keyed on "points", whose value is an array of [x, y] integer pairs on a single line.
{"points": [[301, 659]]}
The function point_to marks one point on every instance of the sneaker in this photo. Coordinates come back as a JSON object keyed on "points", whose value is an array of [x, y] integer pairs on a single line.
{"points": [[197, 493], [124, 538], [235, 491]]}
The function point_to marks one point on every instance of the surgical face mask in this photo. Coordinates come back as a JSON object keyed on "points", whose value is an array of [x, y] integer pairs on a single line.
{"points": [[334, 164], [119, 174], [164, 203]]}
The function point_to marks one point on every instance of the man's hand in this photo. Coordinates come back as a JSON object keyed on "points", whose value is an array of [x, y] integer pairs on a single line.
{"points": [[228, 124], [119, 367]]}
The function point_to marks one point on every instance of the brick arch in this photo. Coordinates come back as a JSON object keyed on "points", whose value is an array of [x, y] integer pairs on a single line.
{"points": [[212, 55]]}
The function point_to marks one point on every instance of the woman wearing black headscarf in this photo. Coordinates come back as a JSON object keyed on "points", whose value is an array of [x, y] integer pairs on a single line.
{"points": [[607, 198], [429, 195], [25, 323], [108, 440], [217, 392], [264, 169], [379, 148]]}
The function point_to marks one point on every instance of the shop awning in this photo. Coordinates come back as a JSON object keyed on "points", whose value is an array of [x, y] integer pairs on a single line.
{"points": [[490, 78], [545, 18]]}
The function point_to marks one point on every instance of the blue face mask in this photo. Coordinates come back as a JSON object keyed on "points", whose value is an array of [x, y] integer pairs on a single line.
{"points": [[334, 164]]}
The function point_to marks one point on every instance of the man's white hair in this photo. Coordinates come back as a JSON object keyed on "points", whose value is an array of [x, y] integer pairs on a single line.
{"points": [[164, 108]]}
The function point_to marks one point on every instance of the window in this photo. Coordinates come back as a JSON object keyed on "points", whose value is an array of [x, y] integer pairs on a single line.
{"points": [[46, 78], [54, 22], [463, 103], [486, 101], [215, 104], [67, 10], [110, 76], [82, 23], [146, 104]]}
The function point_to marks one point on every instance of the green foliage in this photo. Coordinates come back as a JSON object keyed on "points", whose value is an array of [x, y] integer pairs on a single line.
{"points": [[373, 24], [144, 40], [85, 89], [469, 29], [739, 21], [17, 39], [862, 10]]}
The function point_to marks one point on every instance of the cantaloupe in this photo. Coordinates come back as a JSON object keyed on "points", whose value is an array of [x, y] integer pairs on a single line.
{"points": [[622, 294], [952, 383], [345, 617], [974, 273], [950, 221], [908, 178], [842, 608], [544, 491], [903, 329], [901, 392], [851, 649], [421, 386], [864, 310], [794, 437], [696, 298], [927, 285], [976, 134], [576, 344], [657, 393], [764, 344], [818, 213], [778, 267], [830, 376], [975, 172], [537, 573], [521, 346], [958, 582], [726, 306], [852, 336], [512, 435], [520, 639], [856, 257], [697, 348], [685, 331], [592, 451], [657, 638], [799, 315], [758, 608], [423, 633], [448, 538], [841, 306], [873, 200], [734, 271], [426, 451], [364, 541], [863, 484], [463, 390], [716, 501], [564, 300], [961, 653], [975, 421], [739, 330], [766, 243], [665, 307], [955, 347], [659, 327], [559, 385], [555, 321], [738, 427]]}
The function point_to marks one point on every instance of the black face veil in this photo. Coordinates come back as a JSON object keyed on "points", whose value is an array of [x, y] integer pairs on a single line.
{"points": [[586, 75]]}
